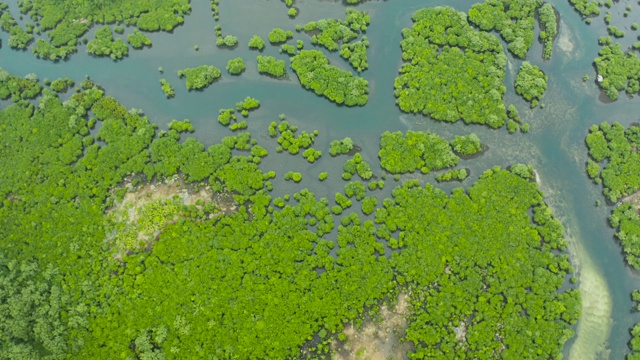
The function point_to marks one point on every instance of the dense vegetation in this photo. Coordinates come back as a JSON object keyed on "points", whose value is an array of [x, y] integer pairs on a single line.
{"points": [[271, 66], [87, 276], [548, 28], [256, 42], [634, 344], [451, 70], [343, 146], [475, 291], [200, 77], [619, 71], [531, 83], [138, 40], [513, 19], [236, 66], [416, 151], [615, 148], [105, 45], [586, 7], [167, 89], [330, 33], [340, 86], [64, 22]]}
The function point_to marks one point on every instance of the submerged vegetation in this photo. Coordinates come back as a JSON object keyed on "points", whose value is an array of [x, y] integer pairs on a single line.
{"points": [[451, 71]]}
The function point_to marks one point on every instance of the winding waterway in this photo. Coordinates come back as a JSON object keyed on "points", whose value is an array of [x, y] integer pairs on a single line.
{"points": [[554, 145]]}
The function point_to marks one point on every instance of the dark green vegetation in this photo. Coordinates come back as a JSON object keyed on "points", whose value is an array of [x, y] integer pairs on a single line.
{"points": [[61, 23], [634, 344], [513, 19], [105, 45], [586, 7], [236, 66], [357, 166], [340, 86], [417, 151], [451, 175], [619, 71], [200, 77], [290, 142], [338, 147], [138, 40], [278, 35], [531, 83], [61, 85], [481, 293], [440, 44], [549, 28], [87, 275], [616, 148], [329, 32], [466, 144], [167, 89], [271, 66], [256, 42], [356, 53]]}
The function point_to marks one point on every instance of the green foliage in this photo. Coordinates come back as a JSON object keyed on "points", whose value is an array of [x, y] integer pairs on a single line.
{"points": [[226, 116], [61, 85], [105, 45], [271, 66], [616, 149], [338, 147], [614, 31], [256, 42], [292, 143], [167, 89], [417, 150], [514, 20], [357, 165], [355, 188], [33, 306], [278, 35], [293, 12], [531, 82], [226, 41], [291, 175], [138, 40], [625, 219], [548, 28], [451, 71], [369, 205], [248, 104], [356, 53], [586, 7], [240, 278], [488, 273], [288, 49], [200, 77], [619, 71], [343, 201], [329, 32], [466, 144], [315, 73], [311, 155], [451, 175], [18, 39], [323, 176]]}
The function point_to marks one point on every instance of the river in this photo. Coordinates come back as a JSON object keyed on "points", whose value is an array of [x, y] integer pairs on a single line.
{"points": [[554, 145]]}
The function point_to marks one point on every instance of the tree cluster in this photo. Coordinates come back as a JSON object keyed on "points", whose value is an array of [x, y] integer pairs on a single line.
{"points": [[200, 77], [531, 83], [340, 86], [271, 66], [415, 151], [105, 45], [451, 71]]}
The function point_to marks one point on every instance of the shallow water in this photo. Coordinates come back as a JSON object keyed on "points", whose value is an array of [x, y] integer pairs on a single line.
{"points": [[554, 144]]}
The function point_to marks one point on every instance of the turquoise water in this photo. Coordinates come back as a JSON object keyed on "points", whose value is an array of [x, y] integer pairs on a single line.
{"points": [[554, 144]]}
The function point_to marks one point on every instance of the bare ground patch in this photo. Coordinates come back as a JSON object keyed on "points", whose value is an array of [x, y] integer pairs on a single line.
{"points": [[379, 338]]}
